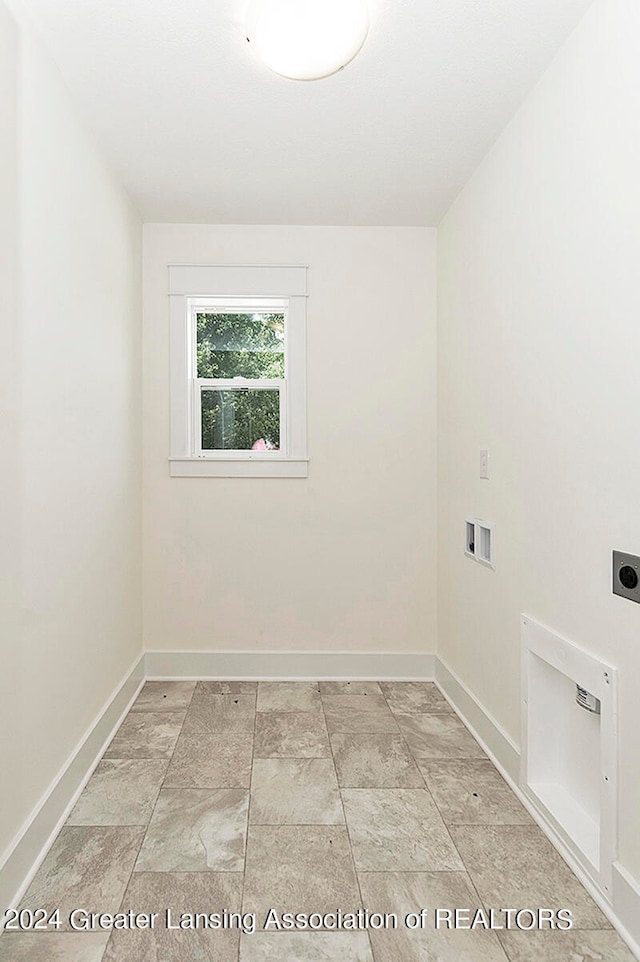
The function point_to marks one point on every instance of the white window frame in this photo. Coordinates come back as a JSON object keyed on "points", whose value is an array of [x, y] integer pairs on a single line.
{"points": [[198, 305], [272, 288]]}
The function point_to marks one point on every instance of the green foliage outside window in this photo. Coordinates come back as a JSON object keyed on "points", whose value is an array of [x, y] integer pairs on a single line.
{"points": [[248, 346], [240, 345], [236, 420]]}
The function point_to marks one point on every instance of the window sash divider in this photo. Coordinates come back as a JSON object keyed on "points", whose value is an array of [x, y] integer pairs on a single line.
{"points": [[240, 383]]}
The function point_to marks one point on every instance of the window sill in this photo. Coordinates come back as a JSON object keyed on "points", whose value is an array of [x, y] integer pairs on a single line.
{"points": [[254, 467]]}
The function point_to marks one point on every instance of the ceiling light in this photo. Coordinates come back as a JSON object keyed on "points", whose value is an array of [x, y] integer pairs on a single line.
{"points": [[307, 39]]}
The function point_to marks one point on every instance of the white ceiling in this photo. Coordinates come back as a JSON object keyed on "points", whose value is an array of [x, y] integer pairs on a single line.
{"points": [[199, 131]]}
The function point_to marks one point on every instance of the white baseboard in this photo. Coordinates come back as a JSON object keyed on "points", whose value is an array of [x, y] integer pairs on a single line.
{"points": [[626, 899], [485, 728], [25, 854], [623, 911], [292, 665]]}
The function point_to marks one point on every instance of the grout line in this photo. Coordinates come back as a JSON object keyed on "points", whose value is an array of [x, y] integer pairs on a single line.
{"points": [[415, 871], [246, 835], [421, 773], [346, 823], [174, 747], [438, 809], [406, 743], [127, 884], [105, 757], [146, 827], [464, 871], [155, 805]]}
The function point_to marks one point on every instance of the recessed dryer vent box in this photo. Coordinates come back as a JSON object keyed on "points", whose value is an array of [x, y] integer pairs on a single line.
{"points": [[569, 746]]}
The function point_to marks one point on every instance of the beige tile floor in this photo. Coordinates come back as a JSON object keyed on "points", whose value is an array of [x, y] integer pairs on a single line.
{"points": [[302, 797]]}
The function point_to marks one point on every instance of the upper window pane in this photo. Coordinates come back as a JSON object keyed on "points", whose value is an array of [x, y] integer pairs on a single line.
{"points": [[240, 345]]}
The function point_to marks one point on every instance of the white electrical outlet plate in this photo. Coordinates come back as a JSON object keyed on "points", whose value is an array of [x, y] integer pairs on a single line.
{"points": [[484, 465]]}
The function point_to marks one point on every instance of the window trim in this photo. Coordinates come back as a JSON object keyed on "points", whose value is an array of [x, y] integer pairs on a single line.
{"points": [[191, 287]]}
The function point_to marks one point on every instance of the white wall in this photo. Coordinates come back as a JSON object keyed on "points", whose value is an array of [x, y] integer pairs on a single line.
{"points": [[539, 348], [70, 515], [346, 559]]}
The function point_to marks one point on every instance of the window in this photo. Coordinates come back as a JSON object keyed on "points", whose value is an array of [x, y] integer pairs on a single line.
{"points": [[239, 366], [238, 390]]}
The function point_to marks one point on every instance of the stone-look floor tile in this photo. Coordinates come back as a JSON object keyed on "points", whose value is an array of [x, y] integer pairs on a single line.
{"points": [[396, 829], [414, 697], [85, 868], [409, 892], [374, 761], [45, 947], [565, 946], [196, 830], [472, 792], [121, 791], [221, 760], [291, 735], [146, 734], [299, 868], [164, 696], [516, 865], [227, 688], [357, 703], [220, 713], [288, 696], [209, 892], [358, 713], [438, 736], [350, 688], [349, 720], [305, 947], [295, 791]]}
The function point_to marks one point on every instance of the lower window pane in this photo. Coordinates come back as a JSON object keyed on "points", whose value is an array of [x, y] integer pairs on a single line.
{"points": [[241, 419]]}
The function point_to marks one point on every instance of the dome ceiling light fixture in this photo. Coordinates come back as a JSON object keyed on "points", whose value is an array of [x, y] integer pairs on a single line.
{"points": [[307, 39]]}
